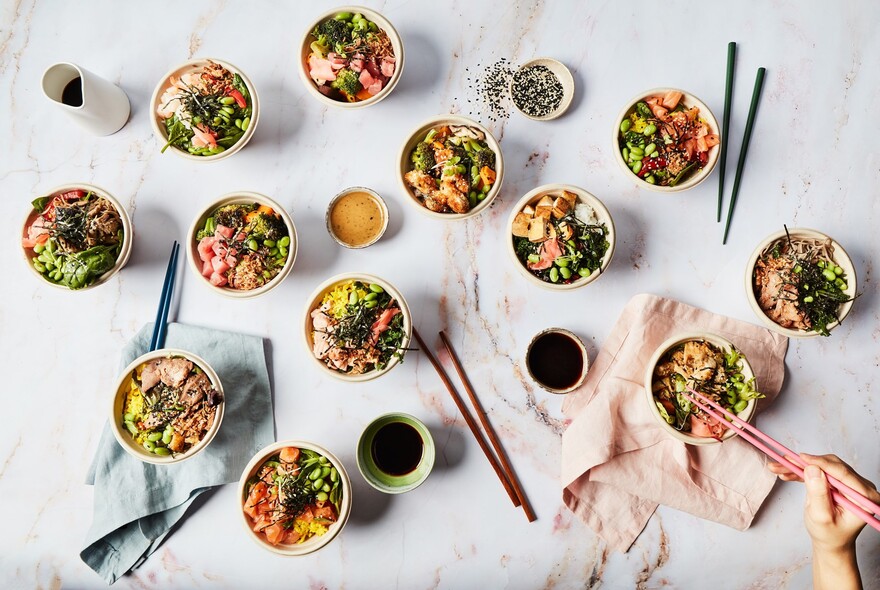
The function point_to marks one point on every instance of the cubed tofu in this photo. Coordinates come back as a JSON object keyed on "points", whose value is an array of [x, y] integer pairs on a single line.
{"points": [[538, 229], [561, 208], [565, 231], [570, 197], [520, 227], [551, 231], [544, 208], [529, 210]]}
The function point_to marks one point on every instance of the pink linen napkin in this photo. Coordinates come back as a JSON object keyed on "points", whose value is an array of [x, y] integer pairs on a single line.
{"points": [[617, 462]]}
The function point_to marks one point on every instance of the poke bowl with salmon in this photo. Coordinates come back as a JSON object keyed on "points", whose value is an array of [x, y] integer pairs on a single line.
{"points": [[561, 237], [243, 245], [801, 282], [357, 327], [204, 110], [168, 406], [295, 497], [709, 364], [451, 167], [76, 236], [667, 140], [351, 57]]}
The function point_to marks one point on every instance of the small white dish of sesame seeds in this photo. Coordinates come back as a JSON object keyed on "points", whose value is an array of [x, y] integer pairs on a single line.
{"points": [[542, 89]]}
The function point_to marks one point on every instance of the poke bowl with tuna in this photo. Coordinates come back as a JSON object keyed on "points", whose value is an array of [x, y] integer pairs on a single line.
{"points": [[243, 245], [76, 236], [168, 406], [451, 167], [351, 57], [561, 237], [357, 327], [667, 140]]}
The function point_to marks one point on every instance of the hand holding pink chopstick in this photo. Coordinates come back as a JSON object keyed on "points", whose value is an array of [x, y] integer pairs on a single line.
{"points": [[842, 494]]}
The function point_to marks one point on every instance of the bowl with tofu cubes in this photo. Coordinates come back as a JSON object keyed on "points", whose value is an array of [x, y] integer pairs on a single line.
{"points": [[561, 237]]}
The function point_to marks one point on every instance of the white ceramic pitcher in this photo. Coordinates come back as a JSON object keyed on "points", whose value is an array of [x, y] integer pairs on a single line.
{"points": [[102, 108]]}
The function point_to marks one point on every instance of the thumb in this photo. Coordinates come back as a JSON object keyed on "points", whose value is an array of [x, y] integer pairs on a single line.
{"points": [[819, 502]]}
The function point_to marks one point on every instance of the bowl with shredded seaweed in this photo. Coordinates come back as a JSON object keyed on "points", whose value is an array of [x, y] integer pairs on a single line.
{"points": [[76, 236], [800, 282], [357, 327]]}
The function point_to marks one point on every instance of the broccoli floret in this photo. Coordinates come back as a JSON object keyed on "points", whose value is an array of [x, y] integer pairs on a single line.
{"points": [[347, 83], [270, 227], [634, 138], [332, 32], [485, 157], [423, 157], [230, 216]]}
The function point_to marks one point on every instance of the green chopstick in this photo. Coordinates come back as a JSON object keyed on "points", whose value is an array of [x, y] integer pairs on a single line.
{"points": [[756, 95], [725, 124]]}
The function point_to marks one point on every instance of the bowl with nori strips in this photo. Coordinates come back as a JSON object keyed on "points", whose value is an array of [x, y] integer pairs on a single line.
{"points": [[231, 143], [807, 288], [692, 174], [71, 227], [316, 542]]}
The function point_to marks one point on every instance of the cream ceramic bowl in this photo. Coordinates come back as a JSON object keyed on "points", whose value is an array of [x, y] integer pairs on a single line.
{"points": [[841, 259], [305, 50], [419, 134], [189, 66], [244, 198], [690, 101], [602, 214], [316, 542], [726, 346], [380, 202], [124, 438], [314, 301], [563, 74], [127, 237]]}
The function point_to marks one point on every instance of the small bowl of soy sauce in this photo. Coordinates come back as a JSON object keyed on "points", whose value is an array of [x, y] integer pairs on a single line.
{"points": [[395, 453], [557, 360]]}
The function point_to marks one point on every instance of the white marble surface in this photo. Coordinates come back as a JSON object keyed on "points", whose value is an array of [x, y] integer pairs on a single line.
{"points": [[814, 162]]}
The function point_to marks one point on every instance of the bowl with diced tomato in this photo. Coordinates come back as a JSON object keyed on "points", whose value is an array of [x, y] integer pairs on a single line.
{"points": [[666, 140], [294, 497], [242, 245]]}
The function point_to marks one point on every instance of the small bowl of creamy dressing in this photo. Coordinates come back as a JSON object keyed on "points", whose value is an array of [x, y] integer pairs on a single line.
{"points": [[357, 217]]}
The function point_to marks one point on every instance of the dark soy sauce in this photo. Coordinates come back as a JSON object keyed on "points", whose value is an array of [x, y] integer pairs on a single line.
{"points": [[72, 95], [556, 360], [397, 448]]}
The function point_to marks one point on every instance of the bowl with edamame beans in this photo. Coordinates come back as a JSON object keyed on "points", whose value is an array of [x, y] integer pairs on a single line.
{"points": [[167, 406], [243, 245], [709, 364], [76, 236], [204, 110], [666, 140]]}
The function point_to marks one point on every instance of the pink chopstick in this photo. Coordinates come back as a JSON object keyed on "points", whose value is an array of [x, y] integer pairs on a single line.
{"points": [[838, 488]]}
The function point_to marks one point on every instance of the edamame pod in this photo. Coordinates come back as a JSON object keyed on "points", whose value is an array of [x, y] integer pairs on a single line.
{"points": [[353, 298], [227, 100], [370, 296], [375, 289], [554, 275], [162, 451], [343, 16], [149, 445], [285, 241], [246, 122], [154, 436], [625, 125], [649, 130]]}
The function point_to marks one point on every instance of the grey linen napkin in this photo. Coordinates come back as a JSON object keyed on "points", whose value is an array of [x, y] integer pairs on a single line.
{"points": [[137, 503]]}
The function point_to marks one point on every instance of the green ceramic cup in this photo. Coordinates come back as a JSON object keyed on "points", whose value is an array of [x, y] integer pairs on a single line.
{"points": [[367, 448]]}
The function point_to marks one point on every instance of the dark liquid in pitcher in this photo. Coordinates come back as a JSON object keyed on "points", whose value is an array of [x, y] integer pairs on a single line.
{"points": [[72, 95], [556, 360], [397, 448]]}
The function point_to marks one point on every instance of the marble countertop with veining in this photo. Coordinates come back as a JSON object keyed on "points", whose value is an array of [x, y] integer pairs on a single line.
{"points": [[814, 162]]}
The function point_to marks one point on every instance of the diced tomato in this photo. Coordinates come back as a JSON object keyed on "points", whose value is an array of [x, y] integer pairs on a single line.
{"points": [[239, 99]]}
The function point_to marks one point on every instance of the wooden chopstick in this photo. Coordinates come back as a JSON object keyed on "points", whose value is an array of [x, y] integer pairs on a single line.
{"points": [[743, 429], [475, 430], [487, 428], [161, 326], [725, 123], [743, 150]]}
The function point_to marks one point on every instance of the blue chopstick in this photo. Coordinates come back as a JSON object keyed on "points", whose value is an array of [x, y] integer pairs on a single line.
{"points": [[161, 325]]}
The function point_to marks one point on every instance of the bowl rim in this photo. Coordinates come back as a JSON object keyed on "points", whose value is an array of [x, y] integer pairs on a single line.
{"points": [[385, 25], [124, 439], [409, 144], [127, 235], [383, 207], [241, 197], [309, 546], [705, 113], [321, 290], [591, 200], [557, 68], [428, 458], [581, 345], [841, 258], [680, 338], [192, 64]]}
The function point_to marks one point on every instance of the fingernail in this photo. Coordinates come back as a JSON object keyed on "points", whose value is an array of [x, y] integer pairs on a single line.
{"points": [[812, 472]]}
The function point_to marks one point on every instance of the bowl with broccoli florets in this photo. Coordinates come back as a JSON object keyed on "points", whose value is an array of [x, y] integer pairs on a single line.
{"points": [[242, 245]]}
